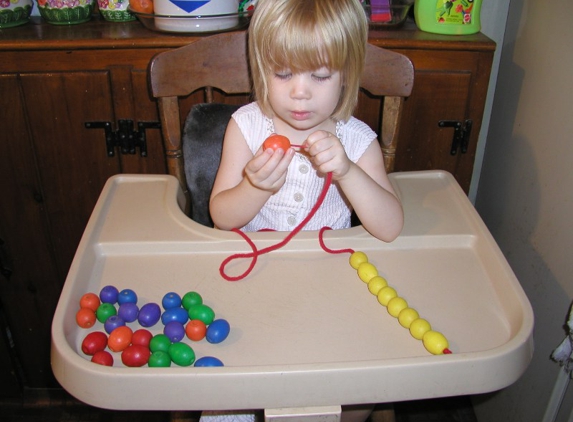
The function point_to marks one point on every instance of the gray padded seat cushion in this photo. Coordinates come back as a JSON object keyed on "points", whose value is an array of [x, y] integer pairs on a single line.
{"points": [[202, 143]]}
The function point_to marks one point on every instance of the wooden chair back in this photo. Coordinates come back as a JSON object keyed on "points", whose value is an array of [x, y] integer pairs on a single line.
{"points": [[220, 61]]}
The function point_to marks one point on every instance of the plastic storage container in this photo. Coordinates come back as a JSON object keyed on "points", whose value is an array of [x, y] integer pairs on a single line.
{"points": [[451, 17], [197, 16]]}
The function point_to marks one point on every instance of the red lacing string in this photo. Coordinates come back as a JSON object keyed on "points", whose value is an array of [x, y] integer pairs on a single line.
{"points": [[256, 252]]}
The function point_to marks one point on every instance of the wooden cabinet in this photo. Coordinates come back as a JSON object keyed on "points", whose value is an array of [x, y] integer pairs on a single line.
{"points": [[54, 80], [450, 86]]}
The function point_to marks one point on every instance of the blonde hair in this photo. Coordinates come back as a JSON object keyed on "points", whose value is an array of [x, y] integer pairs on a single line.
{"points": [[306, 35]]}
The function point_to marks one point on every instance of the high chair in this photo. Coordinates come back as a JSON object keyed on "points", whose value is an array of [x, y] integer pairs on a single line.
{"points": [[219, 63]]}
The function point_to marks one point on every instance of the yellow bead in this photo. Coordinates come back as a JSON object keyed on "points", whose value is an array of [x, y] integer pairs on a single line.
{"points": [[396, 305], [386, 294], [419, 327], [376, 284], [366, 271], [435, 342], [407, 316], [357, 258]]}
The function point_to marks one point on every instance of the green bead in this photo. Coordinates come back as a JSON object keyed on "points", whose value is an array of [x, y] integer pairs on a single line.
{"points": [[104, 311], [159, 343], [190, 299], [203, 313], [182, 354], [159, 359]]}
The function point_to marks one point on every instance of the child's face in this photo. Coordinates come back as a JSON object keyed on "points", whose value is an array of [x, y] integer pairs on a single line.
{"points": [[304, 100]]}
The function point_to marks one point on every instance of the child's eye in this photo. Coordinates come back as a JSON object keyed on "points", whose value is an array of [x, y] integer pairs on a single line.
{"points": [[321, 78], [283, 75]]}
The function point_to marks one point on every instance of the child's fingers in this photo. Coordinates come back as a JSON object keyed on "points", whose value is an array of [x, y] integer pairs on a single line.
{"points": [[267, 169], [260, 159], [315, 138], [277, 165]]}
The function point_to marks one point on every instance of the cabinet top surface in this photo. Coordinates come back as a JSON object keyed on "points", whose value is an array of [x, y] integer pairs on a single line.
{"points": [[98, 33]]}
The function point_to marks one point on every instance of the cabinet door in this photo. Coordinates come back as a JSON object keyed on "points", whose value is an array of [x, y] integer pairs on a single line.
{"points": [[31, 281], [451, 86], [53, 170], [72, 161]]}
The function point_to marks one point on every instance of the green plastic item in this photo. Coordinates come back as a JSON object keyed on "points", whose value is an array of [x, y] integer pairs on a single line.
{"points": [[450, 17]]}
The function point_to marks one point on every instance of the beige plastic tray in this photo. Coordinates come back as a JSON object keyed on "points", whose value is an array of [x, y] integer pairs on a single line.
{"points": [[305, 329]]}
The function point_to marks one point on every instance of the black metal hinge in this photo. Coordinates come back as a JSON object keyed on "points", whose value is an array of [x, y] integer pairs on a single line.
{"points": [[462, 132], [125, 138]]}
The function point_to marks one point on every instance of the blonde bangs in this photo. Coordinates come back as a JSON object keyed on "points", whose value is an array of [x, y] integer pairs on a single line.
{"points": [[301, 47]]}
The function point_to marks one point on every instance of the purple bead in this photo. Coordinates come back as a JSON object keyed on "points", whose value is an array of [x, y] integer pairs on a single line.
{"points": [[175, 331], [149, 314], [128, 311], [109, 294], [112, 323]]}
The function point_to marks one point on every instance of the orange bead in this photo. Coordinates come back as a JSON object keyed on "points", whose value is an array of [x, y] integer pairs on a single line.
{"points": [[196, 330], [85, 318], [275, 142], [90, 300], [119, 338]]}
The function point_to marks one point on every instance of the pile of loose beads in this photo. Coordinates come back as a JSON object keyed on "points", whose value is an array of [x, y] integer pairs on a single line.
{"points": [[420, 329], [182, 317]]}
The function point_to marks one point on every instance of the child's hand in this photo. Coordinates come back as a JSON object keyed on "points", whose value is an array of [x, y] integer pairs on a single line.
{"points": [[327, 153], [268, 169]]}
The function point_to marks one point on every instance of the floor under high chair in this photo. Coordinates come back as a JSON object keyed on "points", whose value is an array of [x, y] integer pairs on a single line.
{"points": [[58, 406]]}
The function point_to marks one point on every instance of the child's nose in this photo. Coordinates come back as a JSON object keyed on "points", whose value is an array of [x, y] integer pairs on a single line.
{"points": [[300, 88]]}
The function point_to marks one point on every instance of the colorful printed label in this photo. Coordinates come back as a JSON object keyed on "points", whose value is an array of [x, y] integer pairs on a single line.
{"points": [[454, 12]]}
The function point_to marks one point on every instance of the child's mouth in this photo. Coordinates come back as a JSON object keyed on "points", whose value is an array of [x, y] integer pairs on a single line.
{"points": [[300, 115]]}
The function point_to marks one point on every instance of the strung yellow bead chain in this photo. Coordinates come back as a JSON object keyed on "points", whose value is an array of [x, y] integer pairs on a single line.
{"points": [[434, 341]]}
